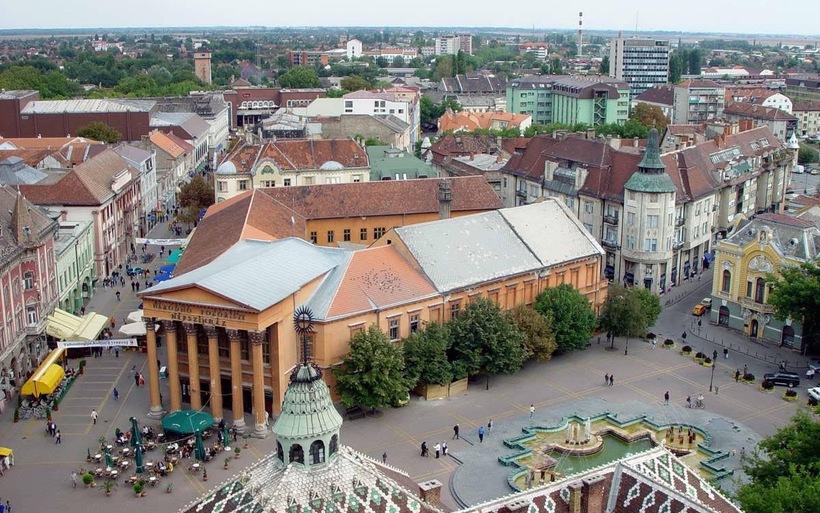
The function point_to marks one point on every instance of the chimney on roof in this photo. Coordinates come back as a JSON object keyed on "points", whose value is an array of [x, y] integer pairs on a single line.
{"points": [[576, 491], [590, 134], [445, 198], [635, 142], [430, 492]]}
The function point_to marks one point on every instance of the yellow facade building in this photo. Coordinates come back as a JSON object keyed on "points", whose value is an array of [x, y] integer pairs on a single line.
{"points": [[227, 320]]}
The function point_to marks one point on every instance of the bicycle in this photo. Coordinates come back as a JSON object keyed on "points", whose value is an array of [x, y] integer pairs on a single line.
{"points": [[699, 403]]}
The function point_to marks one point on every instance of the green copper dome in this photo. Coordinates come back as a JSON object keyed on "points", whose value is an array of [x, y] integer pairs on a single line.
{"points": [[307, 410], [651, 174]]}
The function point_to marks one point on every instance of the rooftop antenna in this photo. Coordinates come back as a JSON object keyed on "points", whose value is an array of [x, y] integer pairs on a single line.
{"points": [[580, 34], [636, 23]]}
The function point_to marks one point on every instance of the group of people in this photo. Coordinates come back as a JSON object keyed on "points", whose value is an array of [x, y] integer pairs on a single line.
{"points": [[441, 448], [53, 432], [609, 380]]}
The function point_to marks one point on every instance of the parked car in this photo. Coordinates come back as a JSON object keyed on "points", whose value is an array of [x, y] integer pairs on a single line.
{"points": [[707, 302], [789, 379], [814, 393], [699, 310]]}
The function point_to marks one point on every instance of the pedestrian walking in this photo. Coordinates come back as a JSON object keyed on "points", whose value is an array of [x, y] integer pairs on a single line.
{"points": [[455, 432], [444, 448], [745, 369], [234, 431], [141, 381], [137, 379], [666, 398], [612, 380], [82, 310], [116, 394], [94, 415], [688, 401], [117, 351], [481, 434], [726, 353], [532, 410], [606, 380], [654, 343], [737, 375], [384, 457], [742, 452], [437, 448], [58, 438], [489, 427], [424, 451], [73, 479]]}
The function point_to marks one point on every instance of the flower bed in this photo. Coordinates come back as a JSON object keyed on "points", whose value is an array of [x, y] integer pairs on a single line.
{"points": [[748, 378], [767, 386], [686, 350], [707, 362], [700, 357], [790, 395], [668, 343]]}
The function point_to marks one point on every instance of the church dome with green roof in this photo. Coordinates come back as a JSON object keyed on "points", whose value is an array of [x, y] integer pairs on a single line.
{"points": [[651, 174]]}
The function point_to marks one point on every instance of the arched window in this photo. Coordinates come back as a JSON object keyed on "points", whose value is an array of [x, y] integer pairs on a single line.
{"points": [[297, 455], [28, 280], [317, 452], [727, 281], [334, 444], [280, 453], [760, 290]]}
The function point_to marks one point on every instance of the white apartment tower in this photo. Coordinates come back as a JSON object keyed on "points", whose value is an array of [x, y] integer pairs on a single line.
{"points": [[641, 63], [450, 45]]}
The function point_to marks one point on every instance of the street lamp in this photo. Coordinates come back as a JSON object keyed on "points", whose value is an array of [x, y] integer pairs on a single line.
{"points": [[626, 347], [714, 364]]}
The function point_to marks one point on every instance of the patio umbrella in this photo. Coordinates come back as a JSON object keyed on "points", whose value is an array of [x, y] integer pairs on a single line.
{"points": [[187, 422], [174, 257], [225, 436], [138, 458], [168, 268], [135, 316], [136, 435], [199, 448], [108, 461], [135, 329], [162, 277]]}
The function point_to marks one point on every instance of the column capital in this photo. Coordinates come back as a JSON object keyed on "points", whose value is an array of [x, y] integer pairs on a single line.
{"points": [[189, 327], [148, 320], [210, 331], [257, 337], [168, 325], [234, 335]]}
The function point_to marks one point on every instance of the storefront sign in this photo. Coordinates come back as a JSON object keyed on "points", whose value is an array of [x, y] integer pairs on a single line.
{"points": [[207, 315], [113, 342], [161, 242]]}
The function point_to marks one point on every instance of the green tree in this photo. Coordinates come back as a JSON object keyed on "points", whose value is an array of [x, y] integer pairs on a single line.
{"points": [[650, 305], [622, 314], [539, 340], [482, 339], [807, 154], [571, 315], [785, 474], [300, 77], [604, 68], [649, 116], [555, 66], [425, 356], [194, 197], [354, 83], [443, 67], [795, 294], [99, 131], [695, 59], [372, 373], [675, 69]]}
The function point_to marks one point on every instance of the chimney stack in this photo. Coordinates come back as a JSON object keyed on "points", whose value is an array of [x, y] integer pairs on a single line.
{"points": [[575, 493], [595, 496], [445, 198], [430, 492], [590, 134]]}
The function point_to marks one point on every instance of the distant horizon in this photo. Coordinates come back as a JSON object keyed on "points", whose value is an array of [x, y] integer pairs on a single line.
{"points": [[746, 18]]}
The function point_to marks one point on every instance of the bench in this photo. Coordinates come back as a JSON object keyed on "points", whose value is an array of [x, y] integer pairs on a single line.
{"points": [[355, 412]]}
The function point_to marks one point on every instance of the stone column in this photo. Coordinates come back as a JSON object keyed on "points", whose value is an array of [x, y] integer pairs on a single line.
{"points": [[173, 366], [213, 367], [236, 381], [257, 338], [156, 410], [193, 365]]}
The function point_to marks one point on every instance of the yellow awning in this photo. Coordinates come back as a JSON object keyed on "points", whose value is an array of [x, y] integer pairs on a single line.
{"points": [[5, 451], [45, 381], [65, 326]]}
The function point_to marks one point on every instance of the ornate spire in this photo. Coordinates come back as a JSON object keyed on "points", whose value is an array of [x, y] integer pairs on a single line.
{"points": [[651, 161]]}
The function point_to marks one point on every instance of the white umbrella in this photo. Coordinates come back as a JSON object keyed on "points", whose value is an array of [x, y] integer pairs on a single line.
{"points": [[135, 316], [134, 329]]}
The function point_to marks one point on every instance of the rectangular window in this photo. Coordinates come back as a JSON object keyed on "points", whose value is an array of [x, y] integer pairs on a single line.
{"points": [[308, 180], [363, 234], [588, 227], [346, 234], [588, 207], [630, 218], [348, 104], [286, 182], [393, 328], [653, 198], [378, 232], [330, 236], [314, 237], [244, 349], [223, 346], [242, 185], [222, 186], [414, 323], [357, 178], [652, 221], [266, 352], [455, 308], [650, 244]]}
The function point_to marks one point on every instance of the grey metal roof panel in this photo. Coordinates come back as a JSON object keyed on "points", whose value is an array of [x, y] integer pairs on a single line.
{"points": [[259, 274], [469, 250], [85, 106], [552, 232]]}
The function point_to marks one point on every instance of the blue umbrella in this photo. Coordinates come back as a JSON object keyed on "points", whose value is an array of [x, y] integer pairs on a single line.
{"points": [[168, 268], [162, 277]]}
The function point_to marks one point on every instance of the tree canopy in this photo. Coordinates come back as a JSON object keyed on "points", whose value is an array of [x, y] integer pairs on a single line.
{"points": [[194, 197], [622, 314], [99, 131], [354, 83], [300, 77], [372, 373], [785, 474], [539, 340], [482, 339], [650, 116], [795, 293], [425, 356], [571, 314]]}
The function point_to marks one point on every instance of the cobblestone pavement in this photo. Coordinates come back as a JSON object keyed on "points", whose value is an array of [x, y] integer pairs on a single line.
{"points": [[569, 383]]}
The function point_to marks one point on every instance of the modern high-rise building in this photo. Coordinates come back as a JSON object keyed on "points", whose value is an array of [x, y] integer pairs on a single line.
{"points": [[450, 45], [641, 63]]}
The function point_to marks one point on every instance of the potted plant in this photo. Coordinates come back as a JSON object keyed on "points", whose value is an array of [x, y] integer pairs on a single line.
{"points": [[204, 474], [108, 486], [790, 395], [55, 406], [686, 350], [103, 442], [245, 437], [707, 362], [88, 480], [48, 413], [169, 487], [88, 455], [749, 377], [17, 415], [699, 357], [236, 453], [138, 488], [767, 386], [227, 460], [668, 343]]}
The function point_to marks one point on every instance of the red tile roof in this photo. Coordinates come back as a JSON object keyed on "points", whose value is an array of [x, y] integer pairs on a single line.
{"points": [[300, 154], [751, 110]]}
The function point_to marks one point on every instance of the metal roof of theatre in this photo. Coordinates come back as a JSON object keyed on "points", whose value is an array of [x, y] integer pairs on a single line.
{"points": [[85, 106], [258, 274], [471, 250]]}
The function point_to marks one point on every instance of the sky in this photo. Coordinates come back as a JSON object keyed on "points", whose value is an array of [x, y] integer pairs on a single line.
{"points": [[722, 16]]}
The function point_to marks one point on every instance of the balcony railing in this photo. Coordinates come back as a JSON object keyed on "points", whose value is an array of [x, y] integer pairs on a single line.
{"points": [[677, 245], [751, 304], [610, 244], [611, 219], [521, 194], [679, 222]]}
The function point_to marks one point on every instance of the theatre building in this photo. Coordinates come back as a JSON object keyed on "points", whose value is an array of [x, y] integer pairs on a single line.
{"points": [[227, 325]]}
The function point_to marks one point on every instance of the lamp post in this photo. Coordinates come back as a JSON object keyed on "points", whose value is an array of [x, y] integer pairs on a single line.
{"points": [[714, 364]]}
